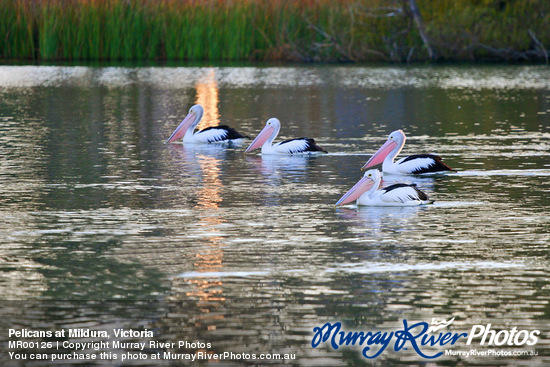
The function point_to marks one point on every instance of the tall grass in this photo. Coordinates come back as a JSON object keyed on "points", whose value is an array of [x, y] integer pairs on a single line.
{"points": [[304, 30], [17, 30]]}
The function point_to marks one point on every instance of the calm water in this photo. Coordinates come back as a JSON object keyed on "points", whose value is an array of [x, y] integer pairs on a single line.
{"points": [[103, 226]]}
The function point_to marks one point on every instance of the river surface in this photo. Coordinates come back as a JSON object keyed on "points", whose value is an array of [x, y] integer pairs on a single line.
{"points": [[103, 226]]}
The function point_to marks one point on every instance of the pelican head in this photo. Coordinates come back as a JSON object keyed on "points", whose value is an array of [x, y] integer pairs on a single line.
{"points": [[391, 148], [269, 132], [189, 123], [371, 179]]}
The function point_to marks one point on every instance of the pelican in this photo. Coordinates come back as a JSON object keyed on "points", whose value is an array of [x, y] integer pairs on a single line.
{"points": [[366, 192], [292, 146], [215, 134], [413, 164]]}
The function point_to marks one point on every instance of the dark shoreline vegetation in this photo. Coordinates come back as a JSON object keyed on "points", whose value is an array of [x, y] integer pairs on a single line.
{"points": [[275, 30]]}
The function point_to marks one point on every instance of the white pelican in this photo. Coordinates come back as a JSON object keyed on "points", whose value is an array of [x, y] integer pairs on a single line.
{"points": [[292, 146], [215, 134], [413, 164], [366, 192]]}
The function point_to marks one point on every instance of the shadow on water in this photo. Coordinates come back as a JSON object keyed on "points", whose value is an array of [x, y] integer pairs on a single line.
{"points": [[275, 169], [382, 219]]}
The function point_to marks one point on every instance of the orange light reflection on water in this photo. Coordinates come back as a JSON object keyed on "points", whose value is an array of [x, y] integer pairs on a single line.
{"points": [[210, 259], [207, 97]]}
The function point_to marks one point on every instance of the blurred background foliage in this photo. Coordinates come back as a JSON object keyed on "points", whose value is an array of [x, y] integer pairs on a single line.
{"points": [[276, 30]]}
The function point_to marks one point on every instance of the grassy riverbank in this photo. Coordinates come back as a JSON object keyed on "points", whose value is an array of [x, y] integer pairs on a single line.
{"points": [[285, 30]]}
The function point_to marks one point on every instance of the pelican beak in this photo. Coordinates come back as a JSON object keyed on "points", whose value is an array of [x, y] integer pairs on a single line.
{"points": [[182, 128], [261, 138], [356, 191], [381, 154]]}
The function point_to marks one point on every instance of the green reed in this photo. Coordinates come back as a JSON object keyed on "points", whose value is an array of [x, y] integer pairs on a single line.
{"points": [[16, 30], [301, 30]]}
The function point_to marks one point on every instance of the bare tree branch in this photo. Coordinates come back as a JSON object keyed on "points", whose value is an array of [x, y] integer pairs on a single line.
{"points": [[539, 45], [420, 26]]}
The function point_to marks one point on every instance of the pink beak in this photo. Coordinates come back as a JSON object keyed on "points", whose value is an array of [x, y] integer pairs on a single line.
{"points": [[182, 128], [356, 191], [261, 138], [381, 154]]}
